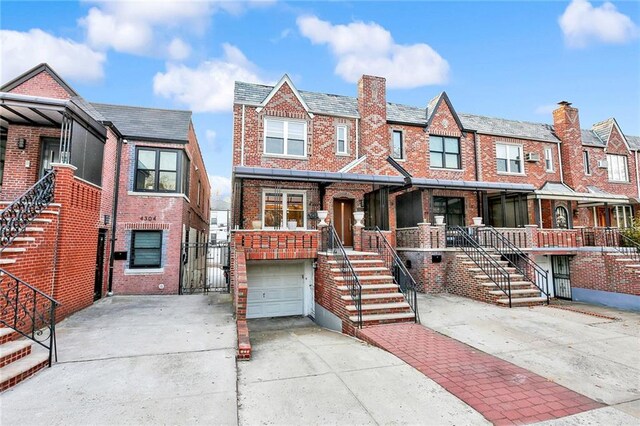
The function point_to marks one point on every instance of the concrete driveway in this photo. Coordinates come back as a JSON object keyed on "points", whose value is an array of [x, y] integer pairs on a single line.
{"points": [[136, 360], [302, 374], [597, 357]]}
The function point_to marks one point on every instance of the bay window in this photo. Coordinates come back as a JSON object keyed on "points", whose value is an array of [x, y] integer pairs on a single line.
{"points": [[279, 208], [285, 137], [509, 158], [617, 168]]}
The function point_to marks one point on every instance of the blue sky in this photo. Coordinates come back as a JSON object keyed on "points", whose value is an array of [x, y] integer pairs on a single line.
{"points": [[507, 59]]}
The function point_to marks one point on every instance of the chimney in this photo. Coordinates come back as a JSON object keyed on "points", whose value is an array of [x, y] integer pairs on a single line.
{"points": [[372, 106], [566, 123]]}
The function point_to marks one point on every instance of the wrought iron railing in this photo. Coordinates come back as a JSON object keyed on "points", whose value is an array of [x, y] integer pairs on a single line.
{"points": [[330, 243], [490, 237], [28, 311], [401, 275], [628, 247], [18, 215], [461, 238]]}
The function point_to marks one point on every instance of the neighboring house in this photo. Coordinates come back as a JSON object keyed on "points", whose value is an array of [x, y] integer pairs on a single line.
{"points": [[297, 153], [129, 175], [219, 221]]}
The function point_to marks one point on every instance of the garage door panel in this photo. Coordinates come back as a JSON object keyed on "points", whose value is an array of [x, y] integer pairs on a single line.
{"points": [[275, 290]]}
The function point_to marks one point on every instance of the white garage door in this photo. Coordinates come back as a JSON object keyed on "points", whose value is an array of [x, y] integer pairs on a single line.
{"points": [[275, 289]]}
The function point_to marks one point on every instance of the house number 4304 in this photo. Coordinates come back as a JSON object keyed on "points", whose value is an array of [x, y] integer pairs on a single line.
{"points": [[148, 218]]}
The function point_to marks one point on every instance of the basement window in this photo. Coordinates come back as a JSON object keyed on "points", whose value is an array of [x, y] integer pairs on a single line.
{"points": [[146, 249]]}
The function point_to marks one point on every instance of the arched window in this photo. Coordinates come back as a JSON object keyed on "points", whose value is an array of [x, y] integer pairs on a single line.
{"points": [[562, 217]]}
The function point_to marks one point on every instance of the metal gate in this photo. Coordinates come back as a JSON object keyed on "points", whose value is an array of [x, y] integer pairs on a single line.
{"points": [[561, 277], [204, 267]]}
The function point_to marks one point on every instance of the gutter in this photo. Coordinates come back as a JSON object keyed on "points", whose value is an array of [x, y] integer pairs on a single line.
{"points": [[560, 164], [358, 138]]}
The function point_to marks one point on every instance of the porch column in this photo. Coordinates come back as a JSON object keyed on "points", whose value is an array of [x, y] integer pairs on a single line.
{"points": [[607, 216], [531, 233], [357, 237], [424, 235], [554, 223], [442, 235], [485, 207]]}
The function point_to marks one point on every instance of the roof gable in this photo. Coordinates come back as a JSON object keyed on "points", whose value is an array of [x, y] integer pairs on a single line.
{"points": [[28, 75], [605, 129], [435, 104], [285, 80]]}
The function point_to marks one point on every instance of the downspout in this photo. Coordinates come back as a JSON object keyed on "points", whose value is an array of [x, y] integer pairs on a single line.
{"points": [[114, 218], [560, 164], [358, 139], [476, 161], [637, 177], [242, 139]]}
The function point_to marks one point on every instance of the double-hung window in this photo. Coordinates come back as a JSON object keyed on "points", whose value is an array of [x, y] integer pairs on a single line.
{"points": [[285, 137], [341, 139], [146, 249], [548, 159], [617, 166], [157, 170], [397, 145], [444, 152], [282, 208], [585, 161], [509, 158]]}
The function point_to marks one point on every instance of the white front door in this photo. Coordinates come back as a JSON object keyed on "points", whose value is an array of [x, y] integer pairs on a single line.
{"points": [[275, 289]]}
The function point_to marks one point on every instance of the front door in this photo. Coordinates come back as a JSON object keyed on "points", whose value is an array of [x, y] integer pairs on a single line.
{"points": [[343, 215], [97, 287], [561, 277], [50, 154]]}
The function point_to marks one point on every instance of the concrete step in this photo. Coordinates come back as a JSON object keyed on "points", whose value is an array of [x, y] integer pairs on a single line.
{"points": [[471, 262], [7, 335], [13, 351], [519, 292], [371, 288], [33, 229], [359, 262], [527, 301], [6, 261], [384, 318], [514, 284], [517, 277], [53, 212], [380, 306], [508, 269], [464, 256], [13, 250], [362, 278], [635, 265], [17, 371], [24, 239], [373, 297], [359, 270], [42, 220]]}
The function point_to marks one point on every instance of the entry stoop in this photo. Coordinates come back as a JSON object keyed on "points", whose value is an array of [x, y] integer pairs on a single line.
{"points": [[19, 358]]}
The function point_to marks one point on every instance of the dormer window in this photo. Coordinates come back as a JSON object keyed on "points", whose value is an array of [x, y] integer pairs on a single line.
{"points": [[285, 137], [444, 152], [617, 168]]}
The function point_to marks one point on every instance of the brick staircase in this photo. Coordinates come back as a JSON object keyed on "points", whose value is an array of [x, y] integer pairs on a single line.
{"points": [[632, 265], [382, 301], [19, 358], [523, 291]]}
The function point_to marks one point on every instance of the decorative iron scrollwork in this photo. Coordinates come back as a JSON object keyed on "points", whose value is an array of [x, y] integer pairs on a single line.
{"points": [[15, 218]]}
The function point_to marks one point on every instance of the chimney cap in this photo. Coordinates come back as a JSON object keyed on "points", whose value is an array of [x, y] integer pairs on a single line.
{"points": [[564, 103]]}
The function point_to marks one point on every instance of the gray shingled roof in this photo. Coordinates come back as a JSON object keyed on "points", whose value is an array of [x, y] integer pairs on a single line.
{"points": [[147, 123], [254, 94]]}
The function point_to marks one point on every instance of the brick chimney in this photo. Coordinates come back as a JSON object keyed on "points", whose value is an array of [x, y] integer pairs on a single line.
{"points": [[566, 122], [374, 133]]}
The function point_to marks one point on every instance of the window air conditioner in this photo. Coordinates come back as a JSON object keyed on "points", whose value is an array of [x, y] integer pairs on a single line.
{"points": [[532, 156], [603, 164]]}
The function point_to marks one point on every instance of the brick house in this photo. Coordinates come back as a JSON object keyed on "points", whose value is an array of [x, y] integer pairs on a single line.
{"points": [[97, 198], [407, 169]]}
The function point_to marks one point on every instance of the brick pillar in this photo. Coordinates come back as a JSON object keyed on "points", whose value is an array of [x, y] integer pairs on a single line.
{"points": [[424, 235], [579, 241], [566, 123], [442, 235], [64, 178], [531, 235], [357, 237], [374, 131]]}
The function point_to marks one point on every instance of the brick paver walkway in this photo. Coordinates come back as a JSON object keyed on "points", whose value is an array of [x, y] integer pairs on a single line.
{"points": [[502, 392]]}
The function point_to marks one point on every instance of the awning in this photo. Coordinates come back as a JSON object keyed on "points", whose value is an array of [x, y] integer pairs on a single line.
{"points": [[44, 112], [472, 185], [560, 191]]}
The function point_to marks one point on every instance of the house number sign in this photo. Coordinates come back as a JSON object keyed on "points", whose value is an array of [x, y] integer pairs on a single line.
{"points": [[148, 218]]}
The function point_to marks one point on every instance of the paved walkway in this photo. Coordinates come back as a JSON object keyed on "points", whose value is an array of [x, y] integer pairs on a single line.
{"points": [[136, 360], [502, 392]]}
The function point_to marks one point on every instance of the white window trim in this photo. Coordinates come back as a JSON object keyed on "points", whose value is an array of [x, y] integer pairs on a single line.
{"points": [[508, 172], [403, 155], [548, 156], [286, 137], [346, 139], [610, 164], [586, 163], [284, 208]]}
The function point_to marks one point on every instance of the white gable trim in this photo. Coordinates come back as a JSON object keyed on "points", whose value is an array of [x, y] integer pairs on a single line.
{"points": [[624, 139], [352, 164], [285, 79]]}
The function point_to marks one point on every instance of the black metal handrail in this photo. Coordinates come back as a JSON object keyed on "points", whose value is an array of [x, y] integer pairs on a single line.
{"points": [[489, 236], [28, 311], [330, 242], [622, 243], [487, 264], [15, 218], [401, 275]]}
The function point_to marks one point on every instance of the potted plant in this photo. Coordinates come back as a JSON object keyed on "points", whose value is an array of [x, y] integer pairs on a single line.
{"points": [[358, 216], [477, 221], [439, 219], [322, 215]]}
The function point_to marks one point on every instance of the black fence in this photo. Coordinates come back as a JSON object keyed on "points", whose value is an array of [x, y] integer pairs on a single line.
{"points": [[205, 267]]}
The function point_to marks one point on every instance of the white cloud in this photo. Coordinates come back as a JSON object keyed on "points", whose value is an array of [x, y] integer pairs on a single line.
{"points": [[178, 49], [545, 109], [23, 50], [108, 31], [210, 135], [582, 23], [220, 187], [209, 86], [367, 48]]}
